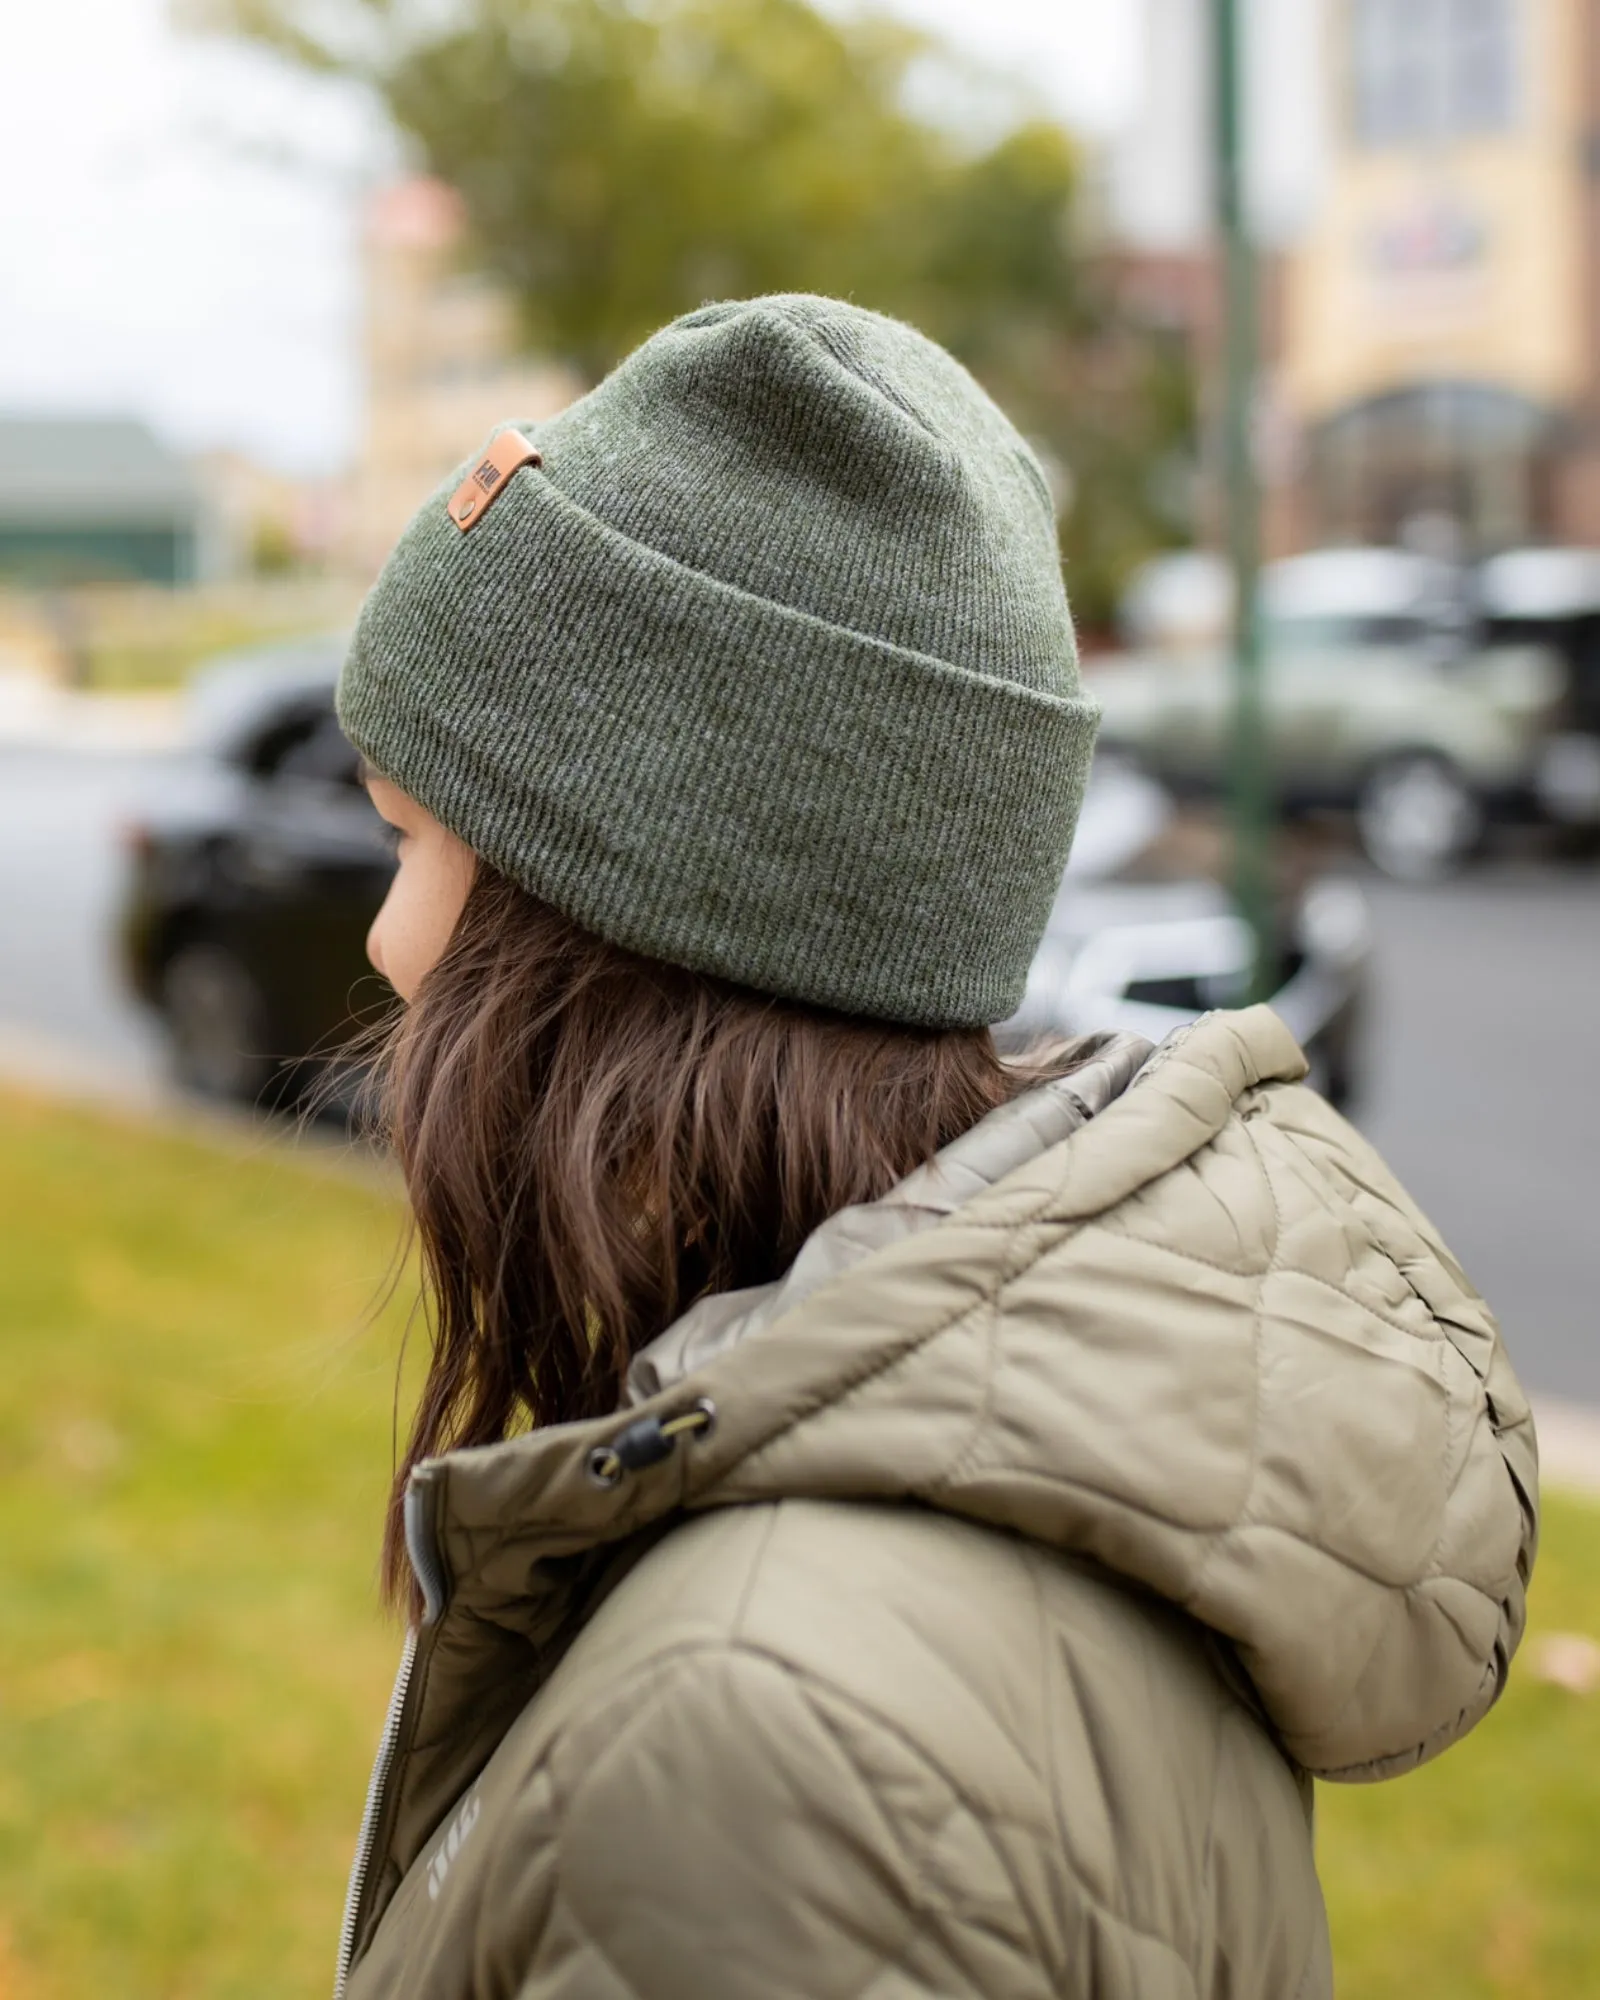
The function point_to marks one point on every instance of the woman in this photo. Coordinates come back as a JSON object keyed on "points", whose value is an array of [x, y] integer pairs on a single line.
{"points": [[879, 1521]]}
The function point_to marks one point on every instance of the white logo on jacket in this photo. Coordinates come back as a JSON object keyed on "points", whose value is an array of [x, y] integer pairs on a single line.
{"points": [[451, 1845]]}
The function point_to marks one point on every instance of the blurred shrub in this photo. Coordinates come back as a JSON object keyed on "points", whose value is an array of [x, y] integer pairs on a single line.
{"points": [[272, 548]]}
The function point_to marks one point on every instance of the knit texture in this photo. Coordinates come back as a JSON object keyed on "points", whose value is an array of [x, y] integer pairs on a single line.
{"points": [[767, 671]]}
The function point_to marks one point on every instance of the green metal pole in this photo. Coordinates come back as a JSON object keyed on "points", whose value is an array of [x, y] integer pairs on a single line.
{"points": [[1251, 797]]}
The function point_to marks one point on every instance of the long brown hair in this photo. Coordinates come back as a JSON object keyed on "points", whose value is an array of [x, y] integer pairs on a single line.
{"points": [[592, 1140]]}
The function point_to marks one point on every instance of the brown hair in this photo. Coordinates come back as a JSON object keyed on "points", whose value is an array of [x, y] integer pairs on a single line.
{"points": [[592, 1140]]}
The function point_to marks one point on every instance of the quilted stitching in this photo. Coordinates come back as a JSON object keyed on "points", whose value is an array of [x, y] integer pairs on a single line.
{"points": [[1310, 1207]]}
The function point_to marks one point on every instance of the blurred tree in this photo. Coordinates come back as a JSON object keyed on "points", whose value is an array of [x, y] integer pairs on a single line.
{"points": [[624, 160]]}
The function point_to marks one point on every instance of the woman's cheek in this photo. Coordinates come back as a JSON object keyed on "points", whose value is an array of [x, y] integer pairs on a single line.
{"points": [[375, 941], [412, 931]]}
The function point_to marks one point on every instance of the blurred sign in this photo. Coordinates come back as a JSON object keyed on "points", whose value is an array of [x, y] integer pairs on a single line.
{"points": [[1439, 232], [1426, 262]]}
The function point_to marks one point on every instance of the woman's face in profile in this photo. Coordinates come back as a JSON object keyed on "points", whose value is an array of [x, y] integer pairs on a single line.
{"points": [[427, 895]]}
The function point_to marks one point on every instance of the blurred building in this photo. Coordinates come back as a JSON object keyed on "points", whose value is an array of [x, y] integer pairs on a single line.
{"points": [[1440, 345], [94, 499], [444, 362]]}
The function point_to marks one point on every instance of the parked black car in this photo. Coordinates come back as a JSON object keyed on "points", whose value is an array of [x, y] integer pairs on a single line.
{"points": [[255, 876], [1551, 597], [255, 870]]}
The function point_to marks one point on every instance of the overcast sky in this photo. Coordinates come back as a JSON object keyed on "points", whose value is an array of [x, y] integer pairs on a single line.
{"points": [[159, 253]]}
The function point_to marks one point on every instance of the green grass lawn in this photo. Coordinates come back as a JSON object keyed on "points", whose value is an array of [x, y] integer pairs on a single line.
{"points": [[195, 1412], [195, 1428]]}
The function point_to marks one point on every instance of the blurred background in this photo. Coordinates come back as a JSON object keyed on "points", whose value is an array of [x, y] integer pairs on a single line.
{"points": [[269, 270]]}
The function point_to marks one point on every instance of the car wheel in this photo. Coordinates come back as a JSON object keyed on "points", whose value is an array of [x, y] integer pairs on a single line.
{"points": [[1418, 818], [216, 1021]]}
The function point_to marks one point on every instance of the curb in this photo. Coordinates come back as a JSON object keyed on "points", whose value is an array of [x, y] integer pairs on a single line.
{"points": [[41, 1066], [1569, 1445], [44, 1065], [35, 714]]}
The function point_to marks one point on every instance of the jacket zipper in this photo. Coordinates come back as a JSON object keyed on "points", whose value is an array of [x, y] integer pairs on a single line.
{"points": [[376, 1788], [422, 1549]]}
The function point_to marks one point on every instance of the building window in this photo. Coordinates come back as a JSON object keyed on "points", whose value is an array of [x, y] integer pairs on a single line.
{"points": [[1432, 69]]}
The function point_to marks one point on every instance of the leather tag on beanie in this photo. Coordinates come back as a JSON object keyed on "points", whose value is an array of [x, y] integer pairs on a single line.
{"points": [[486, 481]]}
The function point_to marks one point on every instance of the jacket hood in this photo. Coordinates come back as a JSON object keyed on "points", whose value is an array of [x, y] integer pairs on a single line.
{"points": [[1170, 1316]]}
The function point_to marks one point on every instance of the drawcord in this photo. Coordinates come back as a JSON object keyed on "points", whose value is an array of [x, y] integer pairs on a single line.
{"points": [[649, 1441]]}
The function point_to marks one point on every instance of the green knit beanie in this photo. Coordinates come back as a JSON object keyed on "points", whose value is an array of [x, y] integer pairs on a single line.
{"points": [[764, 669]]}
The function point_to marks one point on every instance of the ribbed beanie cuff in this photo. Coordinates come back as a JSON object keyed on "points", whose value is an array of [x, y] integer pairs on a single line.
{"points": [[669, 682]]}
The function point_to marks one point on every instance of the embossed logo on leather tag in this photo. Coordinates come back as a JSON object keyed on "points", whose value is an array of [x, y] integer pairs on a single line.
{"points": [[489, 478]]}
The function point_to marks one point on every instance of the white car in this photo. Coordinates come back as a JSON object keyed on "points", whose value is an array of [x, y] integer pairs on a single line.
{"points": [[1383, 694]]}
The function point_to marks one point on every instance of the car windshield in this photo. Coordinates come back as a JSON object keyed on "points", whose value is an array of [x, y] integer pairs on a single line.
{"points": [[230, 698]]}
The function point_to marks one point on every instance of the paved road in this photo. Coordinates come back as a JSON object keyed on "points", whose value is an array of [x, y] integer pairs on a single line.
{"points": [[1485, 1049], [1485, 1095], [60, 865]]}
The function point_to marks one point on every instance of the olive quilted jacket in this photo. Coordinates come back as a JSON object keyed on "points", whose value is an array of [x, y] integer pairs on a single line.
{"points": [[968, 1614]]}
